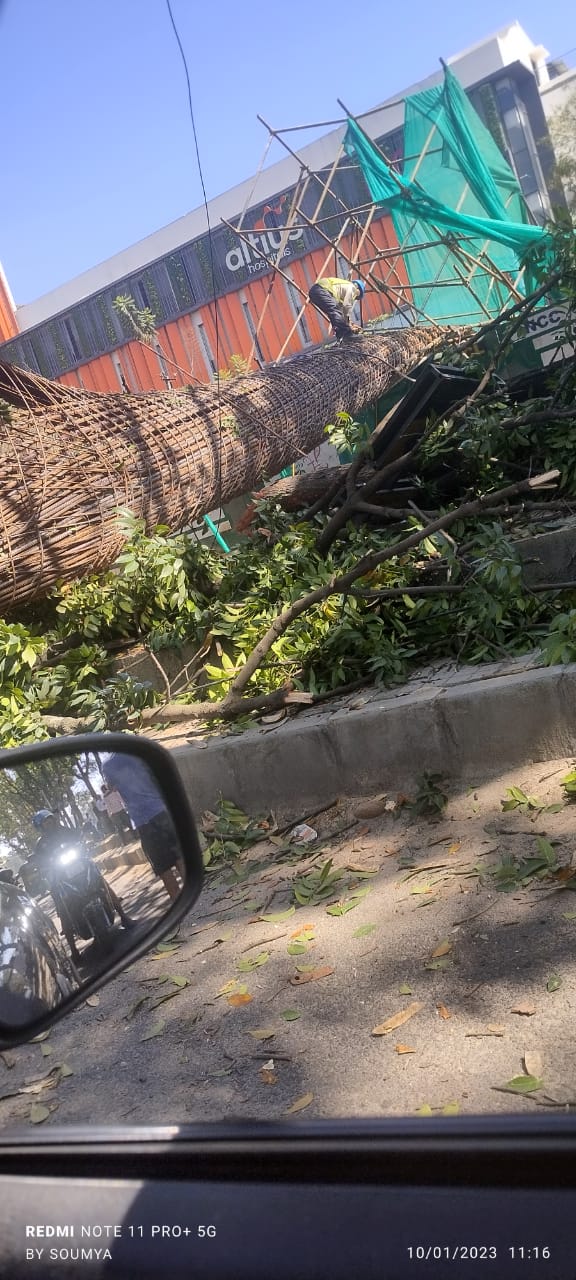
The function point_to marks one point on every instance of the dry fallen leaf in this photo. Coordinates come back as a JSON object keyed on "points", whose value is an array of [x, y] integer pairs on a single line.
{"points": [[311, 976], [443, 1012], [525, 1010], [443, 949], [263, 1033], [397, 1019], [533, 1063], [403, 1048], [493, 1029], [299, 1104], [454, 848], [93, 1001], [371, 808], [267, 1072], [38, 1113], [241, 997]]}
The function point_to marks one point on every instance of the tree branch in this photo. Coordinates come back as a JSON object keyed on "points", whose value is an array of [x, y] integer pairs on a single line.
{"points": [[340, 585]]}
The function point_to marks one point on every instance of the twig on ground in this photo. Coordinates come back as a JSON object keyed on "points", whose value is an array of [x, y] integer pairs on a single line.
{"points": [[260, 943]]}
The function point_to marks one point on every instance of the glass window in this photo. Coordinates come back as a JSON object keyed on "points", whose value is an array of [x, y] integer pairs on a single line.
{"points": [[252, 329], [205, 345], [296, 302], [72, 339]]}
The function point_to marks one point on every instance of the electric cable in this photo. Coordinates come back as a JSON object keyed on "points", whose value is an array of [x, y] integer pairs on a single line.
{"points": [[210, 245]]}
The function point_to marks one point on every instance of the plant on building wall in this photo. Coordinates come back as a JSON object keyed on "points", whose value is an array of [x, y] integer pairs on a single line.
{"points": [[61, 352], [156, 308], [205, 264], [562, 126], [491, 116], [107, 321], [179, 281]]}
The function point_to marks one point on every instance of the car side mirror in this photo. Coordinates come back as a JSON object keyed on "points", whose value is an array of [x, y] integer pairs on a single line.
{"points": [[99, 860]]}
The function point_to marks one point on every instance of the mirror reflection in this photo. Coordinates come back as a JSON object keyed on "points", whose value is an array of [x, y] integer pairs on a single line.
{"points": [[89, 861]]}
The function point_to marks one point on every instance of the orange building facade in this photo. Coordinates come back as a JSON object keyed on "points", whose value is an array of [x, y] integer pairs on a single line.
{"points": [[194, 346], [8, 324]]}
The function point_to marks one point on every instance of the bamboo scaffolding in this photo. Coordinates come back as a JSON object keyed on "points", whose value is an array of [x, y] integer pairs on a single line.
{"points": [[298, 195], [315, 176], [288, 339]]}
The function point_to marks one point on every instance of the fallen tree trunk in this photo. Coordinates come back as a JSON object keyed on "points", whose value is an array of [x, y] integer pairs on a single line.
{"points": [[295, 493], [70, 459]]}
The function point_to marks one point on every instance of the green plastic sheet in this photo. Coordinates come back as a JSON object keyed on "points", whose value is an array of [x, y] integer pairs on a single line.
{"points": [[457, 188]]}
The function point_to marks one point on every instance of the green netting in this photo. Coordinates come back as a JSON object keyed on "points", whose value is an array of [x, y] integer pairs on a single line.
{"points": [[481, 213]]}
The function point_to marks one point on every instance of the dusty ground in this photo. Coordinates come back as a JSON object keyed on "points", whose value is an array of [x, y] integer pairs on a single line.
{"points": [[433, 889]]}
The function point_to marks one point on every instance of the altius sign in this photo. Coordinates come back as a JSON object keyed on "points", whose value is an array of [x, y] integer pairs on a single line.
{"points": [[265, 240]]}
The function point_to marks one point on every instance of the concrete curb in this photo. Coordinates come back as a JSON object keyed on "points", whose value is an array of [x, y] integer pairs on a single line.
{"points": [[465, 728]]}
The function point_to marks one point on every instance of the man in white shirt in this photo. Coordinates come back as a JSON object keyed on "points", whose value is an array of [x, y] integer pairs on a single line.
{"points": [[116, 810], [336, 298]]}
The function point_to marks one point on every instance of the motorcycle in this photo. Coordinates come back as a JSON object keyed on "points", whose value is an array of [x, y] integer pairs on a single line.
{"points": [[80, 894]]}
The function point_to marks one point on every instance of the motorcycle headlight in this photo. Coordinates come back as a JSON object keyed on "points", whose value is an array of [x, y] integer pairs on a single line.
{"points": [[69, 856]]}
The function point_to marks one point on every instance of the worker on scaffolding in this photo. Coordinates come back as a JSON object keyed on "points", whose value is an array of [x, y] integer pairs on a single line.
{"points": [[336, 298]]}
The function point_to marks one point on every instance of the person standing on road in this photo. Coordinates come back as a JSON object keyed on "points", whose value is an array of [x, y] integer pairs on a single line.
{"points": [[150, 816], [116, 810]]}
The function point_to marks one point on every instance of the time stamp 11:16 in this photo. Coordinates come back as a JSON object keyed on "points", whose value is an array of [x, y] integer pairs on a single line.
{"points": [[478, 1252]]}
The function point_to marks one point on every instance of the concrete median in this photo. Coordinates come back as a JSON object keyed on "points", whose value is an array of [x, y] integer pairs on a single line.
{"points": [[464, 724]]}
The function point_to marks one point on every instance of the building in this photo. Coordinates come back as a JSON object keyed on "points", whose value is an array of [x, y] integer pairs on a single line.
{"points": [[8, 322], [79, 335]]}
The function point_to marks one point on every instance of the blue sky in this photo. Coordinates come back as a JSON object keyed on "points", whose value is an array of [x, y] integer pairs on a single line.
{"points": [[98, 148]]}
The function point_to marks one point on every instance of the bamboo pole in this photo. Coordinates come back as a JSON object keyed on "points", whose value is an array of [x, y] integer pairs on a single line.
{"points": [[315, 176], [282, 246]]}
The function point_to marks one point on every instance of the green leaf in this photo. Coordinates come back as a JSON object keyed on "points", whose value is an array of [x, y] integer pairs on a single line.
{"points": [[156, 1030], [296, 948], [523, 1084], [248, 963], [290, 1015], [405, 989], [276, 917], [424, 1110], [554, 982], [451, 1109], [363, 930]]}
